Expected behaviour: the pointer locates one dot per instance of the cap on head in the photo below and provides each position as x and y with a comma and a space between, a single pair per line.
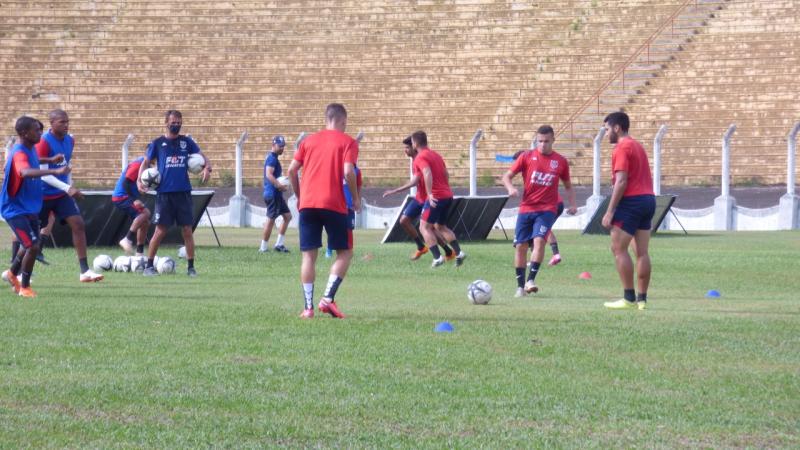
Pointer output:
279, 141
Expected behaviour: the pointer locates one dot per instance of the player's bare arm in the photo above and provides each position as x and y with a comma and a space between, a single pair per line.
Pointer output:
570, 198
269, 172
428, 177
411, 183
619, 189
506, 179
294, 177
206, 174
352, 185
144, 166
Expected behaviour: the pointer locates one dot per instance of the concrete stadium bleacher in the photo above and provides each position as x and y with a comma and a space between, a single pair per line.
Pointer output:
449, 67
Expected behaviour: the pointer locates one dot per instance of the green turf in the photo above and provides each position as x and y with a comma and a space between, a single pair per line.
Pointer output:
224, 361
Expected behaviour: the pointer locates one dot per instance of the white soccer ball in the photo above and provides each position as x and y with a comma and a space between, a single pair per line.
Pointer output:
138, 263
166, 265
151, 178
122, 264
102, 263
195, 163
285, 181
182, 252
479, 292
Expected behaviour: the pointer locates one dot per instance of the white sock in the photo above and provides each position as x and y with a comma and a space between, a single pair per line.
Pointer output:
308, 294
264, 245
279, 242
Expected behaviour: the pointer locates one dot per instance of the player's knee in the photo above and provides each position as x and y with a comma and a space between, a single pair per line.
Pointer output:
405, 220
77, 224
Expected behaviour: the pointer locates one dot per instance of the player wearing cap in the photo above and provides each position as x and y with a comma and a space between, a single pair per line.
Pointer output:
273, 197
326, 158
21, 200
630, 211
541, 169
126, 198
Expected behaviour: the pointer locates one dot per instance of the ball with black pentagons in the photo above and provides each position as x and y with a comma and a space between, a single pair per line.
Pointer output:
151, 178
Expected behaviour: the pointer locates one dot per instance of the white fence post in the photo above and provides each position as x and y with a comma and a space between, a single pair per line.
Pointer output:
237, 204
473, 163
594, 201
126, 150
724, 205
9, 144
789, 205
657, 159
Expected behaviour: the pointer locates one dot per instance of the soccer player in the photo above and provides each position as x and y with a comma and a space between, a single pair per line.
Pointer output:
126, 198
273, 197
414, 210
326, 158
541, 170
170, 152
21, 200
59, 195
431, 170
630, 211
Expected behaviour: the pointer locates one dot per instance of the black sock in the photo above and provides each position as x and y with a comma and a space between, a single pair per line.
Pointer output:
191, 263
140, 248
456, 247
14, 250
447, 250
641, 297
333, 286
131, 236
630, 295
26, 279
420, 244
16, 264
150, 262
84, 264
554, 247
534, 271
520, 276
435, 252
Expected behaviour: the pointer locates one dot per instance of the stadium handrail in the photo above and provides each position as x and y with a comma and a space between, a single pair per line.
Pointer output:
621, 69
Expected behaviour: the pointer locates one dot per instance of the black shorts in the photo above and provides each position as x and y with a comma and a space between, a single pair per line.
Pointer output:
336, 225
174, 208
26, 228
63, 207
276, 205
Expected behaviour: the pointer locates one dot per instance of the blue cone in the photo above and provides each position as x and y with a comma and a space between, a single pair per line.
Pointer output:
713, 293
443, 327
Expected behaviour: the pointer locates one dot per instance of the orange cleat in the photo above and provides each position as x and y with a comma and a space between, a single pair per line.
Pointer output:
450, 257
27, 292
418, 254
307, 314
11, 279
329, 307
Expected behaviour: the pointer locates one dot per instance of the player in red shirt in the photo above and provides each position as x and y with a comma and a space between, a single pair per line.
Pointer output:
326, 158
414, 209
630, 211
541, 169
431, 171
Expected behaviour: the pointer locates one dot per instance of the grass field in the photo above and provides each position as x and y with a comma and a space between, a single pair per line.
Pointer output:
224, 361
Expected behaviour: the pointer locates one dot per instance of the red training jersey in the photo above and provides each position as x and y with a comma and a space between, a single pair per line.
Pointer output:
540, 174
629, 156
323, 155
428, 158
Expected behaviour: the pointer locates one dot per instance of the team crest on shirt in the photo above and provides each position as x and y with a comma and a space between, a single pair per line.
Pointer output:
553, 164
183, 146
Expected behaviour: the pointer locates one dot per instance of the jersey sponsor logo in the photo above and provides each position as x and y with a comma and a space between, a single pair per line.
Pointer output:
175, 161
542, 179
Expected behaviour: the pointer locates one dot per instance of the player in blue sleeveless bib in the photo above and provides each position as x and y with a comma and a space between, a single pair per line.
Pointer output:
126, 198
59, 195
273, 197
170, 153
21, 201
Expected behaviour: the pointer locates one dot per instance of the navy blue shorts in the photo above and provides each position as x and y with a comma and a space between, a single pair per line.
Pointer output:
635, 213
276, 205
128, 207
313, 220
533, 225
26, 228
413, 209
174, 207
437, 214
63, 207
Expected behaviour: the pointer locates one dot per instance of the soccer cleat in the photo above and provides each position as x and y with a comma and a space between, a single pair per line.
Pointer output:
191, 272
620, 304
555, 260
450, 257
641, 305
27, 292
11, 279
460, 259
530, 287
418, 254
307, 314
281, 249
90, 277
150, 272
437, 262
329, 307
263, 250
127, 245
520, 293
40, 258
